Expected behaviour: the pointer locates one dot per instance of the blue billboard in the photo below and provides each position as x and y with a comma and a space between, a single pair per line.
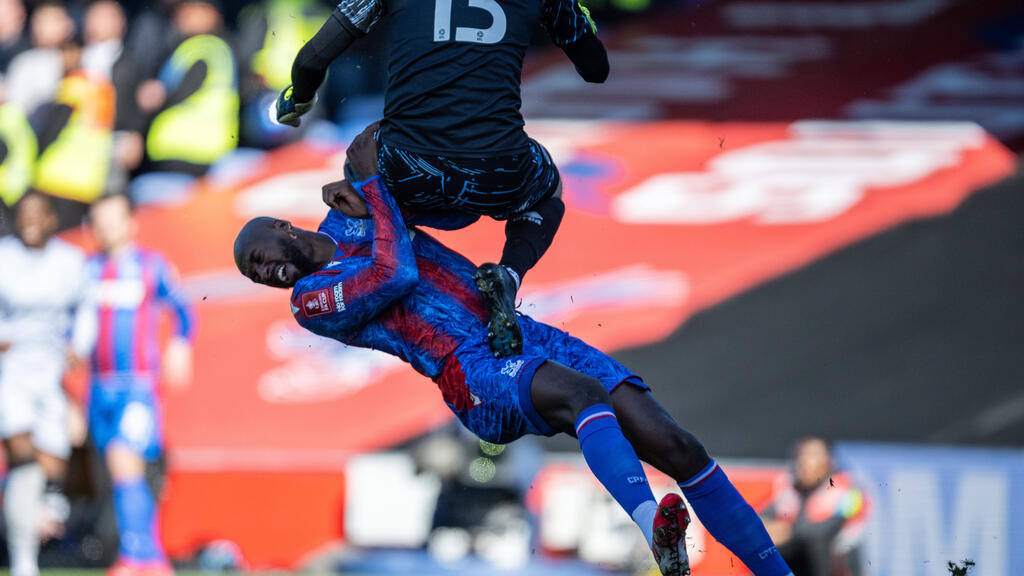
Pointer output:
932, 506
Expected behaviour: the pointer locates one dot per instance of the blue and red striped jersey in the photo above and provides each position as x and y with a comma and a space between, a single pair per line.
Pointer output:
131, 290
391, 288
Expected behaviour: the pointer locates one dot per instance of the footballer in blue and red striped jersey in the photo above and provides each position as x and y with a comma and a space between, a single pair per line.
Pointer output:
374, 283
415, 298
132, 288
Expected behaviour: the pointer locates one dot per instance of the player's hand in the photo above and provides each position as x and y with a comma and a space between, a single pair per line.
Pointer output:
4, 347
177, 364
73, 361
343, 197
362, 153
150, 95
288, 111
77, 424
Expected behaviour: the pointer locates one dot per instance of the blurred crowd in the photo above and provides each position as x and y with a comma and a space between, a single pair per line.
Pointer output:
103, 97
94, 95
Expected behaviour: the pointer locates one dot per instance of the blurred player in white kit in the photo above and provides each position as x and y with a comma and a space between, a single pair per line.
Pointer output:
45, 323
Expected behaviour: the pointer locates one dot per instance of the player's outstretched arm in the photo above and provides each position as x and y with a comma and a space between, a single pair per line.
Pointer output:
85, 323
350, 20
570, 27
177, 358
342, 298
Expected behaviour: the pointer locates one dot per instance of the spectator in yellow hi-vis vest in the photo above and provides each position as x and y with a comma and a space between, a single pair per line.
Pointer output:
17, 154
195, 99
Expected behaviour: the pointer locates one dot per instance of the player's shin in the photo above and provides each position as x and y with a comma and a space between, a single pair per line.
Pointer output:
615, 464
732, 521
22, 497
137, 521
529, 235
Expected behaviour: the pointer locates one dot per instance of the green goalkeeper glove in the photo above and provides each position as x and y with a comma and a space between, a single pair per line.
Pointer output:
290, 112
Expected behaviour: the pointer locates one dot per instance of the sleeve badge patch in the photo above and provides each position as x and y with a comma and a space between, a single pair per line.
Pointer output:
317, 303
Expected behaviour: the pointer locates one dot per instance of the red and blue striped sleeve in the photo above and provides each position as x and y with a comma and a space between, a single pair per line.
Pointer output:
351, 291
169, 292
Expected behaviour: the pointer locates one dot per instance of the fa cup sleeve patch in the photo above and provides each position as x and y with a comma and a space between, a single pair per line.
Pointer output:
318, 302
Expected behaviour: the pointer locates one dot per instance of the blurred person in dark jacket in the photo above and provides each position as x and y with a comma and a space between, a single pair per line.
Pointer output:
104, 55
34, 74
151, 36
194, 101
817, 513
13, 39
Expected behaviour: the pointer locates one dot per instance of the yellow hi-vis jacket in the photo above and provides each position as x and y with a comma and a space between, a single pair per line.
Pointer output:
290, 24
76, 165
20, 156
205, 126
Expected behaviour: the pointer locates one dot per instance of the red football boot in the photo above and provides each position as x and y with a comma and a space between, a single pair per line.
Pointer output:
124, 568
158, 568
669, 545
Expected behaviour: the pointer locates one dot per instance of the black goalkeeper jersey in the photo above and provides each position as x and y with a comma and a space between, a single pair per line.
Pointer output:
454, 68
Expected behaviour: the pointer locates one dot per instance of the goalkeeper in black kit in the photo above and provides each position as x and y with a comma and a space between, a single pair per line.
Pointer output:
451, 140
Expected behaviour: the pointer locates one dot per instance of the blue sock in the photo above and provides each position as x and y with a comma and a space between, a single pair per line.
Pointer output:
732, 521
136, 522
614, 462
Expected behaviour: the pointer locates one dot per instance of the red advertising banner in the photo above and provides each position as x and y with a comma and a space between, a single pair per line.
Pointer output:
663, 220
784, 60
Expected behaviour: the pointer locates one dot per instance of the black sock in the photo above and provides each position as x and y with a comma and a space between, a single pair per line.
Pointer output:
529, 235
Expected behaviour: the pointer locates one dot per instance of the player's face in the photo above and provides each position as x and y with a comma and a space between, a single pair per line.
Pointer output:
35, 221
104, 21
279, 256
812, 463
112, 223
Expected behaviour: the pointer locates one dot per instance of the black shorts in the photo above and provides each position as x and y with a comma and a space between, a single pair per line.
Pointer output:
499, 186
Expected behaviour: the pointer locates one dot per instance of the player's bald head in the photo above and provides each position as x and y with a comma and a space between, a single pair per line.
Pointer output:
255, 232
272, 252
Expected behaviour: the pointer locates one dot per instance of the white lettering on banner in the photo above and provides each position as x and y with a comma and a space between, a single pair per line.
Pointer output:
317, 369
918, 531
672, 71
289, 195
989, 90
821, 172
842, 15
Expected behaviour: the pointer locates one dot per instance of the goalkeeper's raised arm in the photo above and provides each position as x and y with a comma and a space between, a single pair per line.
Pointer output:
350, 20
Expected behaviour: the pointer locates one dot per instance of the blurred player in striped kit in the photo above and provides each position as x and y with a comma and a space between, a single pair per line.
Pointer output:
42, 296
132, 286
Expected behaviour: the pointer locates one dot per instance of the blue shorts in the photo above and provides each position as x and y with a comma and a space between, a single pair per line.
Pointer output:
491, 396
496, 186
127, 413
